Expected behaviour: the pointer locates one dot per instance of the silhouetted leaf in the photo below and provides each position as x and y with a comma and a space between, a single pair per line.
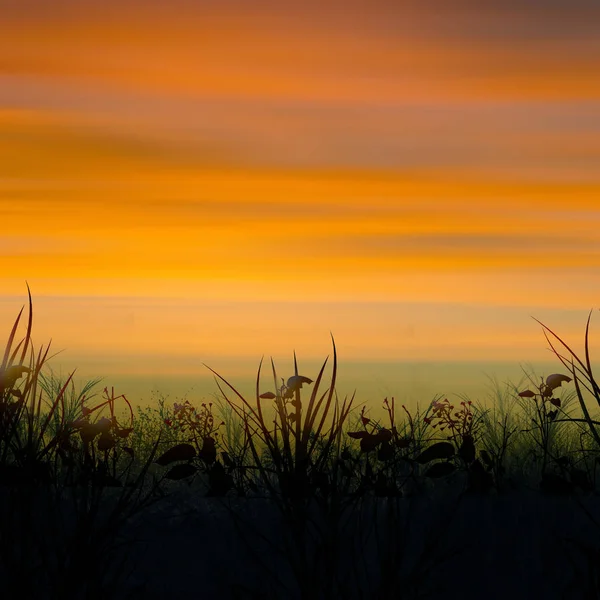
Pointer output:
384, 435
295, 382
527, 394
128, 450
103, 425
268, 396
359, 435
552, 414
440, 469
89, 431
81, 422
555, 380
106, 442
555, 401
439, 450
9, 377
179, 452
123, 433
227, 460
181, 472
369, 442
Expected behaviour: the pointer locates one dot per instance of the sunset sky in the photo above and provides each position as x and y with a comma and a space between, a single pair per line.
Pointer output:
210, 181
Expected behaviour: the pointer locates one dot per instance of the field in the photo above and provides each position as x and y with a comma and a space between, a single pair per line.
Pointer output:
297, 493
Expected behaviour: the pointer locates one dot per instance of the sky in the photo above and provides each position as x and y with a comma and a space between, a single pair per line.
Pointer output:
213, 181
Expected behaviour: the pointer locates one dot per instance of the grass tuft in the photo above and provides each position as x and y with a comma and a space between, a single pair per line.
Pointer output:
340, 485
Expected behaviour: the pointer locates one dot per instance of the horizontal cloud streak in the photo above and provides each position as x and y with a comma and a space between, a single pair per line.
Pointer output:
209, 180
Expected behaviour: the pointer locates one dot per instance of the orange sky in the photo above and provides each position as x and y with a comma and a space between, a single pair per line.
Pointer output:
417, 180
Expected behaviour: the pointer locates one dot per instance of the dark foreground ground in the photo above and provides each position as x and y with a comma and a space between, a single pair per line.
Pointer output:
522, 544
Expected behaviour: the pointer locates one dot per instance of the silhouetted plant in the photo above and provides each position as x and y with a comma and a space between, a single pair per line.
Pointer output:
58, 539
197, 455
86, 469
295, 456
545, 425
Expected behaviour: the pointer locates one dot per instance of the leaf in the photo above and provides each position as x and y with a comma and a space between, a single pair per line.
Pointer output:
181, 472
555, 401
9, 377
268, 396
81, 422
359, 435
179, 452
440, 469
439, 450
128, 450
295, 382
555, 380
106, 442
88, 432
123, 433
384, 435
369, 443
527, 394
103, 425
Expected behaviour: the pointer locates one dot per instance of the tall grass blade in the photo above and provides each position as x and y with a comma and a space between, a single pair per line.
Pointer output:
588, 362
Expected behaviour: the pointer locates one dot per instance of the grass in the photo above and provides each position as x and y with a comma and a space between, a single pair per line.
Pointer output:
343, 486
